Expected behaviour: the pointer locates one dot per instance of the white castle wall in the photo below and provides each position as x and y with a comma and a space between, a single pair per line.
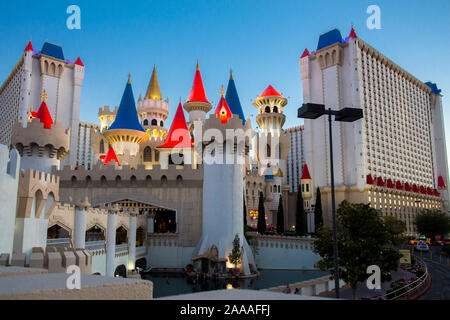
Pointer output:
9, 182
285, 253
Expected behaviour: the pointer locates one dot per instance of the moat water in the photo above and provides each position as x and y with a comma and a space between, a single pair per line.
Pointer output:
170, 284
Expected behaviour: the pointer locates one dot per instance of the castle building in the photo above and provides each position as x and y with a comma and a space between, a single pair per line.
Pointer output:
38, 71
395, 157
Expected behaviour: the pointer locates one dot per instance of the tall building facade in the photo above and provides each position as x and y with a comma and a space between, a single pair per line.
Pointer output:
296, 157
37, 73
395, 157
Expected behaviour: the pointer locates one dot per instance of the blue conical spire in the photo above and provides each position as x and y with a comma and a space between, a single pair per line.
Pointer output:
232, 99
126, 117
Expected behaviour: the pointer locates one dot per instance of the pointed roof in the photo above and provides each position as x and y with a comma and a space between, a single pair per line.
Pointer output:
305, 173
329, 38
29, 47
52, 50
79, 63
232, 98
198, 91
269, 92
44, 115
223, 110
179, 135
153, 91
111, 155
369, 179
305, 53
127, 117
389, 183
380, 182
353, 34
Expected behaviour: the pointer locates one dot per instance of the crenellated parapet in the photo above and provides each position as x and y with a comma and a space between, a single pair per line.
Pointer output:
102, 175
233, 129
106, 116
152, 108
50, 143
41, 187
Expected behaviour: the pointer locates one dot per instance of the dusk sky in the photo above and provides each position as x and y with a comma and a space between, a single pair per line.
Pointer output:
260, 40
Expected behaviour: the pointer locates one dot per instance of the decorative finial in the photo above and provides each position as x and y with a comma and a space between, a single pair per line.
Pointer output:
198, 68
43, 96
129, 78
222, 91
231, 74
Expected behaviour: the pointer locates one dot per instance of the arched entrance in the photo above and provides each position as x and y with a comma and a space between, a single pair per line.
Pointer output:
121, 235
58, 237
140, 237
141, 263
95, 234
121, 271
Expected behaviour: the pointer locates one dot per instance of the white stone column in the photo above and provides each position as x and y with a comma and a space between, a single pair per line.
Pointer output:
132, 241
111, 241
80, 224
151, 223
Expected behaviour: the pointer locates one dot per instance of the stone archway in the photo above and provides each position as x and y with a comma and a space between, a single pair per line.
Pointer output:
121, 271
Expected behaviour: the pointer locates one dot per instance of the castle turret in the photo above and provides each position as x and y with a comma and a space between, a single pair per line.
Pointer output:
126, 133
42, 143
153, 111
232, 99
197, 105
223, 193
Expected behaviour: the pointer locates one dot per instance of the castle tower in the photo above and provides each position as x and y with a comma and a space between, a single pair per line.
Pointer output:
41, 143
223, 193
126, 134
153, 110
272, 146
307, 194
197, 105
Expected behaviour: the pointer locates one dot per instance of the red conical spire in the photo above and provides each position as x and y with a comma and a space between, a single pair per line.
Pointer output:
305, 173
197, 91
269, 92
178, 136
111, 155
305, 53
79, 63
44, 115
223, 110
29, 47
353, 34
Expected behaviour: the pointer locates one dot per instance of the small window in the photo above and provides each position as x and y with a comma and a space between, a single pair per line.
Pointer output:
161, 123
154, 122
267, 110
145, 122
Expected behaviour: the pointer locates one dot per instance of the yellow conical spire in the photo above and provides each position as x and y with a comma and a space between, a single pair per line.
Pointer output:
153, 91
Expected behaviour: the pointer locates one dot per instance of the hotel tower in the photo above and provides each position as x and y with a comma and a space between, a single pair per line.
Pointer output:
395, 157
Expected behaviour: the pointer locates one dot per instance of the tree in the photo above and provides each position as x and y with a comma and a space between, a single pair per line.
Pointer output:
395, 228
318, 214
300, 216
280, 217
431, 223
261, 215
245, 216
235, 257
362, 241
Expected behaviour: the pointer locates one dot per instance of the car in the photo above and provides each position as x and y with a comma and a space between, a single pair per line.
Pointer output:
422, 246
420, 239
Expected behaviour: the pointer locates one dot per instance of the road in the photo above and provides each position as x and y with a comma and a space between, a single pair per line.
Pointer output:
440, 275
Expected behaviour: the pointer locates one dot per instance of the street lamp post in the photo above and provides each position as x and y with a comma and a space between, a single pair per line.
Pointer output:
313, 111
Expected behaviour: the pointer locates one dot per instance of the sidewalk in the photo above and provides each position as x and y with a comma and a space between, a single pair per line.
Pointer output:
363, 292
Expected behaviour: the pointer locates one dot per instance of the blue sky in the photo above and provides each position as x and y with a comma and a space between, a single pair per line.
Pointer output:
261, 40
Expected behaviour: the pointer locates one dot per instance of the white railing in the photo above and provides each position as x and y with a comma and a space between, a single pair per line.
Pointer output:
121, 248
411, 287
59, 243
95, 245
